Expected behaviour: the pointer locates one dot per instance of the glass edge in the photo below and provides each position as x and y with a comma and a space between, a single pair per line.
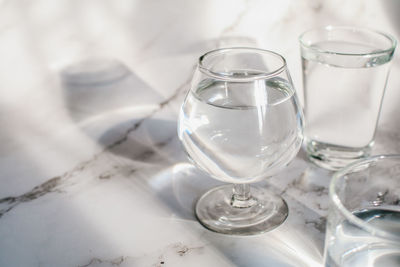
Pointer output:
337, 204
329, 28
223, 77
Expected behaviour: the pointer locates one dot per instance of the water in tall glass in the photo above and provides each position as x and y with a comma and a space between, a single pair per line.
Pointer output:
226, 128
343, 96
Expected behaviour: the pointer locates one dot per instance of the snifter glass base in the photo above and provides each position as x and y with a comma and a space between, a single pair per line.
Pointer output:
334, 157
219, 211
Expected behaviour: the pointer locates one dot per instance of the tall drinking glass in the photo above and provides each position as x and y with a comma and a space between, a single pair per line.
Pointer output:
240, 123
364, 218
344, 76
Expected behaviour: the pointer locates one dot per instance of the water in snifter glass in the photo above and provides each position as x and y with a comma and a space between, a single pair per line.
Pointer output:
240, 123
228, 136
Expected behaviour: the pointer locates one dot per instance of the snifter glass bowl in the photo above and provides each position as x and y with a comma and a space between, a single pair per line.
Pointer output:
241, 122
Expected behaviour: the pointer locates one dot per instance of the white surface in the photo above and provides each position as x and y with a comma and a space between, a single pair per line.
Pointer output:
92, 173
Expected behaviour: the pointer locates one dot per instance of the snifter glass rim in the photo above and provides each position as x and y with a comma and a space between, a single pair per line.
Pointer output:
264, 74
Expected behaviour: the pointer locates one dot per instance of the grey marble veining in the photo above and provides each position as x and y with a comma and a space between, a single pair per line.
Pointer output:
92, 171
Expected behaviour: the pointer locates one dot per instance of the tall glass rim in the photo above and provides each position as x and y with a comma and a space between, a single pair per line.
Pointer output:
225, 77
331, 28
338, 205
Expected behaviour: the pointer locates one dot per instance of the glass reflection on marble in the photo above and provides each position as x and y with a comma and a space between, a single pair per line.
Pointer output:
240, 123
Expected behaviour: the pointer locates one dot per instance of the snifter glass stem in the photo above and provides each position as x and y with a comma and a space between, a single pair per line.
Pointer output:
241, 196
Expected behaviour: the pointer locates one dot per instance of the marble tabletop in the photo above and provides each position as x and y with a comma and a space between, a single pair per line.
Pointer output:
91, 170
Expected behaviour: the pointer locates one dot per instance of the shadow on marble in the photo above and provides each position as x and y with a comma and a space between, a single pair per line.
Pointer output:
102, 87
303, 154
55, 227
392, 8
147, 140
180, 186
387, 141
153, 144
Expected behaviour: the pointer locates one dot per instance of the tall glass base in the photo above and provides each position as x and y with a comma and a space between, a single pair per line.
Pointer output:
334, 157
239, 210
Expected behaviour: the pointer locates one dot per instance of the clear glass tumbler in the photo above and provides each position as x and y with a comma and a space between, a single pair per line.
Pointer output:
363, 226
344, 77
